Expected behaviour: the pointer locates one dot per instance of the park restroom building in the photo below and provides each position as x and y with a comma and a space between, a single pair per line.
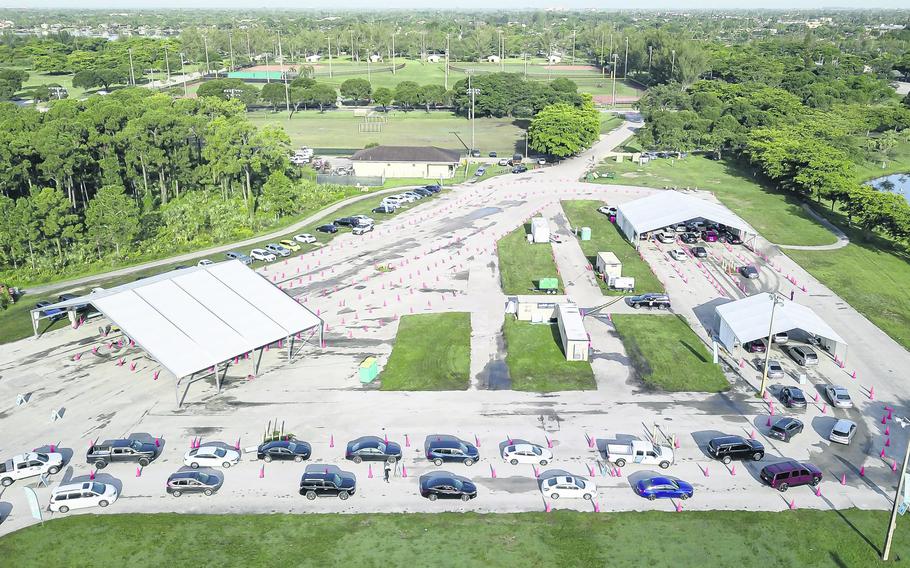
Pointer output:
425, 162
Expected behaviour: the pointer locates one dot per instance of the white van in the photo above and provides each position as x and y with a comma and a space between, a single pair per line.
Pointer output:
82, 495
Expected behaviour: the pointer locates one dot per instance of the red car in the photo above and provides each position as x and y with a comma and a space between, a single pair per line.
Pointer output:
709, 236
757, 346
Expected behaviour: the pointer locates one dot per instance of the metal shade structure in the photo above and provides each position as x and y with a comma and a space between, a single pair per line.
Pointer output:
667, 208
196, 320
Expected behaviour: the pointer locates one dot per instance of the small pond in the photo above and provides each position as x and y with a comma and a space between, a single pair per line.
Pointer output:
895, 183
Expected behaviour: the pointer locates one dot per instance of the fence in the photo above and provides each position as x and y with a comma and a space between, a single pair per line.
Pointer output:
363, 181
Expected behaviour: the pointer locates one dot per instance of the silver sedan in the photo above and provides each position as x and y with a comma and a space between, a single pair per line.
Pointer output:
839, 396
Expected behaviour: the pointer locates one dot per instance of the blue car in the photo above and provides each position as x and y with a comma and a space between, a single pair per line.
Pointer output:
372, 448
441, 448
664, 488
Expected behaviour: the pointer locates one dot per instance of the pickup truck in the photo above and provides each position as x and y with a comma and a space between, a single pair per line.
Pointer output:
29, 465
641, 452
124, 450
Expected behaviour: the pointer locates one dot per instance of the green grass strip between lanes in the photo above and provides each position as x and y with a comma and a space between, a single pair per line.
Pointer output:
536, 360
431, 352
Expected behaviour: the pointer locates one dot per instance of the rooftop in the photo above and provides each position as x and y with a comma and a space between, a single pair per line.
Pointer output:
407, 154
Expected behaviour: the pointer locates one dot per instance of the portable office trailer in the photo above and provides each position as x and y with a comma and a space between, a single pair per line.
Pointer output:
608, 265
537, 309
572, 332
540, 230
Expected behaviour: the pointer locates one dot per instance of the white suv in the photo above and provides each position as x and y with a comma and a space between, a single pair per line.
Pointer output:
82, 495
262, 254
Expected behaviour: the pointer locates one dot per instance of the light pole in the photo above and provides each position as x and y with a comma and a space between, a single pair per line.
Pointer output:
775, 301
900, 487
625, 66
183, 72
573, 47
447, 62
392, 54
613, 72
287, 92
673, 64
231, 48
603, 60
132, 74
650, 53
330, 55
167, 66
473, 92
205, 46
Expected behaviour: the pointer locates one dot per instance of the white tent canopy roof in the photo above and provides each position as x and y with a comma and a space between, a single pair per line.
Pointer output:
666, 208
748, 319
192, 319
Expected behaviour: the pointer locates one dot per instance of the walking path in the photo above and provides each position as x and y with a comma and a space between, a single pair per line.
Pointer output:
842, 239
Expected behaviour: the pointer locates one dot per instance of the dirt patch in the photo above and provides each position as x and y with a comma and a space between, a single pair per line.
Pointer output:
607, 99
572, 67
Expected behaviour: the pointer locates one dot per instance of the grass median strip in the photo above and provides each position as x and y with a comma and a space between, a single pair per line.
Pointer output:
605, 237
806, 538
431, 352
666, 354
522, 265
536, 361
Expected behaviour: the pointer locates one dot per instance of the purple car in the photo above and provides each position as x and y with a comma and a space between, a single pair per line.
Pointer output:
784, 475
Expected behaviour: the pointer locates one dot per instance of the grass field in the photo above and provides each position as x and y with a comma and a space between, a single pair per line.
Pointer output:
666, 354
431, 352
609, 122
658, 539
605, 236
777, 216
36, 79
522, 265
537, 363
341, 129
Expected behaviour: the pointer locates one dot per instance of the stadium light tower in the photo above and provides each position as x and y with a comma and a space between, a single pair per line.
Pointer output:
473, 92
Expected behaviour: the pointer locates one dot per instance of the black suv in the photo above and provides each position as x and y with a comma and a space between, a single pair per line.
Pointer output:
346, 222
651, 300
124, 450
731, 238
441, 449
729, 448
433, 188
327, 481
422, 191
689, 238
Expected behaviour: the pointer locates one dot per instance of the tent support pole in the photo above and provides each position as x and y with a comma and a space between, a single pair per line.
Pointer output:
290, 340
258, 361
35, 317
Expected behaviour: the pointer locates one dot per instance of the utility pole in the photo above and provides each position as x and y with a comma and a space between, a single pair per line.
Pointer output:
205, 46
370, 66
183, 72
603, 67
392, 54
287, 93
613, 72
502, 54
132, 73
352, 47
330, 56
625, 66
167, 65
897, 500
573, 47
611, 45
473, 92
249, 52
673, 65
268, 78
650, 53
231, 48
447, 62
775, 301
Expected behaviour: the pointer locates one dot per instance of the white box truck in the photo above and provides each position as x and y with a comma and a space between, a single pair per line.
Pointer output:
540, 230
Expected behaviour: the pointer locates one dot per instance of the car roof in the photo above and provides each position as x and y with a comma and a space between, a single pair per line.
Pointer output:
785, 421
76, 486
187, 475
657, 480
844, 423
447, 443
787, 465
729, 440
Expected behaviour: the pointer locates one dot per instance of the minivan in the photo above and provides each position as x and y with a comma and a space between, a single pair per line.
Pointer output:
82, 495
804, 355
790, 473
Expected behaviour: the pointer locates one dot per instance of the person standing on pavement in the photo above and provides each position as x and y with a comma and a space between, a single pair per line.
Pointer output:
388, 470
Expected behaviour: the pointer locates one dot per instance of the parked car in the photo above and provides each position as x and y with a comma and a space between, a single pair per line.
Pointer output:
362, 229
262, 254
51, 313
444, 485
757, 346
442, 449
729, 448
732, 238
364, 220
372, 448
699, 252
434, 187
786, 428
503, 162
775, 371
838, 396
81, 496
519, 169
650, 300
526, 453
475, 153
781, 338
211, 456
29, 465
207, 483
709, 236
328, 228
423, 192
480, 171
678, 254
568, 486
661, 487
234, 255
415, 195
607, 210
666, 238
205, 262
748, 271
385, 208
305, 238
790, 473
541, 161
843, 431
640, 452
689, 238
277, 249
327, 481
492, 154
680, 228
122, 450
284, 450
290, 244
793, 397
803, 355
345, 222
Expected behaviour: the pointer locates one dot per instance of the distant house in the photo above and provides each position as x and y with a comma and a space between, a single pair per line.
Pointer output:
313, 58
492, 59
375, 58
434, 58
554, 59
427, 162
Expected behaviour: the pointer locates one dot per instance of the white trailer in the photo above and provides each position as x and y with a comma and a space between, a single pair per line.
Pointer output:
608, 265
540, 230
622, 283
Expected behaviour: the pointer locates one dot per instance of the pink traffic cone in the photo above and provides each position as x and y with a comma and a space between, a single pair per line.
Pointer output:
404, 471
547, 507
536, 471
792, 504
871, 393
679, 507
155, 375
237, 445
884, 419
193, 444
881, 454
476, 441
407, 441
752, 434
887, 442
706, 472
825, 408
843, 479
549, 442
815, 397
768, 423
370, 472
887, 430
332, 441
157, 442
262, 471
733, 470
596, 506
91, 474
138, 472
676, 442
492, 471
893, 465
590, 470
862, 471
618, 472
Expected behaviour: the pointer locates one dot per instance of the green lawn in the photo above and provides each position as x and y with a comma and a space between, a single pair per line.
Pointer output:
777, 216
690, 539
537, 363
608, 122
431, 352
35, 79
606, 237
666, 353
341, 129
522, 265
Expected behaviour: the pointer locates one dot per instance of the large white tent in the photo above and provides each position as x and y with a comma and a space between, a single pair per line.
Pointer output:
667, 208
194, 320
748, 319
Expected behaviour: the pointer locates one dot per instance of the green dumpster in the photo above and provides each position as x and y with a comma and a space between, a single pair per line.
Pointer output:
368, 371
548, 285
586, 233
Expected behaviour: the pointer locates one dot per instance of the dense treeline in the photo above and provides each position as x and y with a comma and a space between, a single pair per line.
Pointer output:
137, 173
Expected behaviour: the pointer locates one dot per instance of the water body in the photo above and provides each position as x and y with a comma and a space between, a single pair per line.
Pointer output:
895, 183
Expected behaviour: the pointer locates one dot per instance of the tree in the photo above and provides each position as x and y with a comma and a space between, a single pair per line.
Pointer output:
11, 81
564, 130
357, 90
90, 78
274, 94
229, 89
279, 196
112, 220
432, 94
323, 95
407, 94
383, 97
57, 222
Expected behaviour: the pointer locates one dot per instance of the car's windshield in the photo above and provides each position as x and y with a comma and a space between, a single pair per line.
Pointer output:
843, 396
98, 488
457, 484
220, 452
336, 479
136, 445
203, 478
536, 450
42, 457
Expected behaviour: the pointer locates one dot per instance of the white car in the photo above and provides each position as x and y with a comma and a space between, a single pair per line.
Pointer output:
363, 220
568, 487
839, 396
29, 465
607, 210
262, 254
305, 238
542, 162
361, 229
843, 431
667, 238
416, 196
82, 495
205, 262
678, 254
407, 198
211, 456
526, 453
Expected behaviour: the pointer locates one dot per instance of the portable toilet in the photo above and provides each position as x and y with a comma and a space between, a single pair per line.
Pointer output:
368, 370
586, 233
608, 265
540, 230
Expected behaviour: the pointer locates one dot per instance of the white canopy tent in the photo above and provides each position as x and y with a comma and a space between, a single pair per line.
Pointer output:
748, 319
195, 320
667, 208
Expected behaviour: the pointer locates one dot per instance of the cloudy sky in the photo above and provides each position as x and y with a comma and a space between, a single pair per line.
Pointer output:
461, 4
